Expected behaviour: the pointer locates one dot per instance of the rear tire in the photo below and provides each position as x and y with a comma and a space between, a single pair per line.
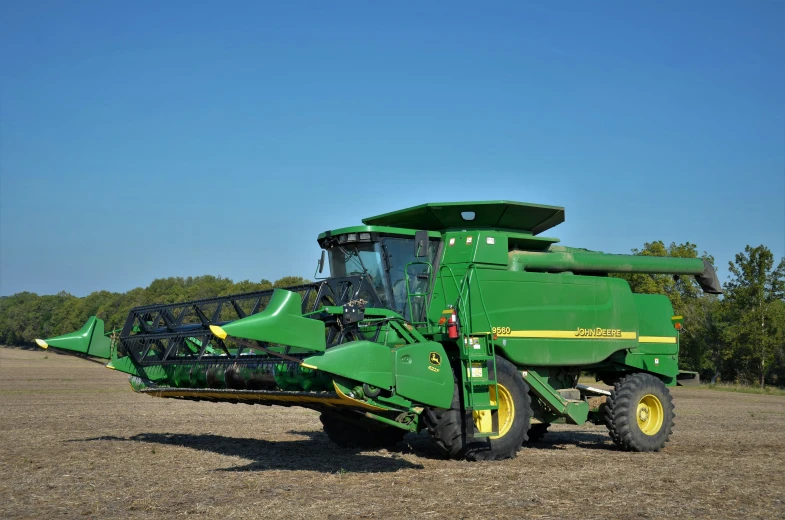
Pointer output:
348, 434
639, 413
447, 429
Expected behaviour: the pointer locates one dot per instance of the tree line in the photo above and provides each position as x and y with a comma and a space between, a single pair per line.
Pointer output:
737, 337
26, 316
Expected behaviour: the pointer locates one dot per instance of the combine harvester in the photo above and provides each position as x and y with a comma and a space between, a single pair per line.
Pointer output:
455, 318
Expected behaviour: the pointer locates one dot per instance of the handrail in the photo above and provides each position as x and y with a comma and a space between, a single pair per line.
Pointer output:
465, 287
409, 295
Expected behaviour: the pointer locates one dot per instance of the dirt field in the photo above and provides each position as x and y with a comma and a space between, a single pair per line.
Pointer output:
75, 441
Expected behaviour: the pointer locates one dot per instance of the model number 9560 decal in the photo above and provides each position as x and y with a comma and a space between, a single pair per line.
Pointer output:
500, 330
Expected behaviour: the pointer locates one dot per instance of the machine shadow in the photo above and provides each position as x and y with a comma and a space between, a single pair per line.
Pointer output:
315, 454
566, 440
418, 444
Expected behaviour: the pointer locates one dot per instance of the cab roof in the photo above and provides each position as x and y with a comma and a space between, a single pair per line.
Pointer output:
497, 214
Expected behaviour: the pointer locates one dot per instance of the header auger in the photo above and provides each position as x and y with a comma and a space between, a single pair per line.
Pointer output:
455, 318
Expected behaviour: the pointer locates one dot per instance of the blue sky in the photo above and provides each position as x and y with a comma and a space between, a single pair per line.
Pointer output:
148, 139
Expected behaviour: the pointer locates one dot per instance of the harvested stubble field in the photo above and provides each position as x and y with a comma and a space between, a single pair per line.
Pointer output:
77, 442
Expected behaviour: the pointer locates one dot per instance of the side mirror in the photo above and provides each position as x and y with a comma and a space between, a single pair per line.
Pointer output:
321, 262
421, 244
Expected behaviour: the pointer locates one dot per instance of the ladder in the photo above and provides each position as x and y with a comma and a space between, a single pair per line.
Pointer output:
478, 367
480, 385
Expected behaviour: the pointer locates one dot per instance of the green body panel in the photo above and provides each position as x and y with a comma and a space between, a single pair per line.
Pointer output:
663, 365
282, 323
90, 340
157, 374
124, 364
408, 370
654, 320
420, 378
546, 319
364, 361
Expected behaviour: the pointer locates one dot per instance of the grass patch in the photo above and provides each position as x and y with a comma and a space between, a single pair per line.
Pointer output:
745, 389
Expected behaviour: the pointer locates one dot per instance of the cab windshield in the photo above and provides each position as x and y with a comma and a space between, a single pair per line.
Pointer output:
360, 259
386, 265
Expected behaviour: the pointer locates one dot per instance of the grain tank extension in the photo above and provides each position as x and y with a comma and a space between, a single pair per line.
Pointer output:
455, 318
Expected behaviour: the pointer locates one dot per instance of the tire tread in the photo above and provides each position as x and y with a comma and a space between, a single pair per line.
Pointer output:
628, 436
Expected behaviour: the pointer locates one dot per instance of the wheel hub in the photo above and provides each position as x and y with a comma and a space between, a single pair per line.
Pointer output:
650, 414
483, 419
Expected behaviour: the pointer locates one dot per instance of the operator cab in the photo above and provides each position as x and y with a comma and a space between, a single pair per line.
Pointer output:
387, 267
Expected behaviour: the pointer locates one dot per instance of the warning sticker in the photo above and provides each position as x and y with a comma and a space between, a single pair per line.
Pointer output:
475, 371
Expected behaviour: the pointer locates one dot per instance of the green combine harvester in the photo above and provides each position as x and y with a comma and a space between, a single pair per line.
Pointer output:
455, 318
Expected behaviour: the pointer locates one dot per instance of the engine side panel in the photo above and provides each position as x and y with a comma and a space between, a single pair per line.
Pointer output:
554, 319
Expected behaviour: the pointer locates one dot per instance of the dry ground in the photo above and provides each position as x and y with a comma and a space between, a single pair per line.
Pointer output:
75, 441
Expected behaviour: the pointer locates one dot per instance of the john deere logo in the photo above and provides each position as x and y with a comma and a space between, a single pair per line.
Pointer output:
435, 358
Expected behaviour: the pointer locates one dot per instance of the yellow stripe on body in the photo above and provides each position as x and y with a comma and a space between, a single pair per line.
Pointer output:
561, 334
657, 339
570, 334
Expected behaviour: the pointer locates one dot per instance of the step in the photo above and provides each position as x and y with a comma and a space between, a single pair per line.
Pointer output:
471, 427
480, 381
570, 394
479, 358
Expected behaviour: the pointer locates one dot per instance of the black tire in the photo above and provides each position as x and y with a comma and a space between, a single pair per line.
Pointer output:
537, 432
348, 434
631, 413
447, 427
609, 379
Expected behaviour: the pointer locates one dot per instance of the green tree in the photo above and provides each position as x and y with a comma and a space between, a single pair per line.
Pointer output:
754, 296
288, 281
776, 375
26, 316
703, 342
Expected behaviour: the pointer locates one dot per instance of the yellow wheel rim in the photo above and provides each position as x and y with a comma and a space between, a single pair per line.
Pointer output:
483, 419
650, 414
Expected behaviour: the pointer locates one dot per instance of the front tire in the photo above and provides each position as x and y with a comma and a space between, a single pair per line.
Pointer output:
639, 413
447, 427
